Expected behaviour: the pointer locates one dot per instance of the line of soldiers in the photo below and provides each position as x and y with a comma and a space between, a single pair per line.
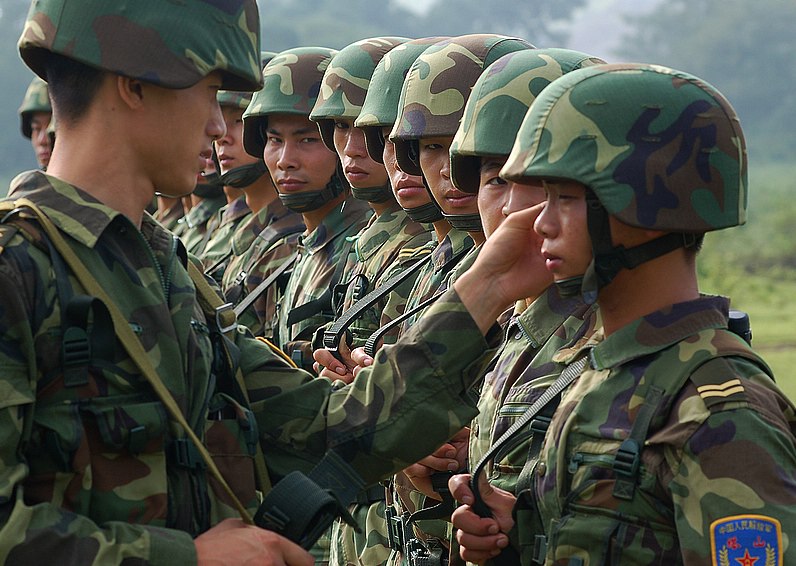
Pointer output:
464, 266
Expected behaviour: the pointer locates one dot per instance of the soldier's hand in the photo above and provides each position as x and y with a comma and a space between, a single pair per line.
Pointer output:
361, 359
234, 542
450, 457
327, 365
510, 267
481, 538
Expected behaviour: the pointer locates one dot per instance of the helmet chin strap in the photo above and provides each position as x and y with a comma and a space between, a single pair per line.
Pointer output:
465, 222
243, 176
211, 188
373, 194
313, 200
608, 260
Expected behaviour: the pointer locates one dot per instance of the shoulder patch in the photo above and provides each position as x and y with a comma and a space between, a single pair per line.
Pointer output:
748, 540
717, 383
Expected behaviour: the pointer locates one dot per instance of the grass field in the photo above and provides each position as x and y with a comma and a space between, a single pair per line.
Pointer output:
754, 265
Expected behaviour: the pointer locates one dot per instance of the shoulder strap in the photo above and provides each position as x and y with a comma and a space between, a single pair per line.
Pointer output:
333, 335
132, 344
263, 286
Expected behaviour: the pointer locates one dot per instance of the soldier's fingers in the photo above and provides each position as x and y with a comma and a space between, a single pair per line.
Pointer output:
459, 486
282, 551
360, 358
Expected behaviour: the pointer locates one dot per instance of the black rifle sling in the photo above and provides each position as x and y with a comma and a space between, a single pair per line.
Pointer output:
263, 286
569, 374
333, 335
372, 342
324, 302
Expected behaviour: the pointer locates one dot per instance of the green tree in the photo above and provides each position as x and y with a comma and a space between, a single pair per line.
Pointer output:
745, 49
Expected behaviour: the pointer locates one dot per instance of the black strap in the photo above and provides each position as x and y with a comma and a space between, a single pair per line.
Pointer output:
333, 335
324, 302
263, 286
628, 458
569, 374
302, 507
214, 267
375, 338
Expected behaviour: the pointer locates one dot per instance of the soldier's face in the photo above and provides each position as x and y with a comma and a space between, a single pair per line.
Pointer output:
408, 189
497, 198
190, 115
360, 170
436, 165
229, 147
566, 244
39, 138
295, 154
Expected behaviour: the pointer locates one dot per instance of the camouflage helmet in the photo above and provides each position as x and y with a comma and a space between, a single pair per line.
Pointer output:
498, 103
37, 99
241, 99
437, 87
346, 80
380, 107
142, 39
661, 149
291, 83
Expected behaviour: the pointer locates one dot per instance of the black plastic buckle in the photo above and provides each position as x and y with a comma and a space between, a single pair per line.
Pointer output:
626, 461
184, 454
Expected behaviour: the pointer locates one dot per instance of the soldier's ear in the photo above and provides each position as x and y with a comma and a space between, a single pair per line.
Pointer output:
131, 91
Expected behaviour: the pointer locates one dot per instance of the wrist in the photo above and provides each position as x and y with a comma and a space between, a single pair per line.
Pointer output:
481, 298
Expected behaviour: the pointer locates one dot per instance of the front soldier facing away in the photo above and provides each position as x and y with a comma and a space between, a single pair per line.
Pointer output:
95, 465
673, 445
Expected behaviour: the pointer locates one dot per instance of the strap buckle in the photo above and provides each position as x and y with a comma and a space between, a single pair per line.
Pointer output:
221, 315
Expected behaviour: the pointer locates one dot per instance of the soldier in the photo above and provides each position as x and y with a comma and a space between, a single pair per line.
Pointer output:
391, 240
207, 199
540, 324
35, 114
310, 181
108, 398
272, 226
672, 445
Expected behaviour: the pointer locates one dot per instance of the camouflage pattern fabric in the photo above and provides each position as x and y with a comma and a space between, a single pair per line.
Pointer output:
259, 247
498, 103
219, 235
715, 479
438, 85
140, 39
346, 80
430, 280
291, 82
37, 99
91, 480
389, 244
171, 216
675, 128
192, 227
320, 251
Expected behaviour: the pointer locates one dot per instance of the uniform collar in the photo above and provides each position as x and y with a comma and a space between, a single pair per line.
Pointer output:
339, 220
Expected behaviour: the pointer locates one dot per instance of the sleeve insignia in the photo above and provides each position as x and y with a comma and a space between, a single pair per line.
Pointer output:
746, 540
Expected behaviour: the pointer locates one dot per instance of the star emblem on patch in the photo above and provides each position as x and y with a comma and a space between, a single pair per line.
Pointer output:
746, 540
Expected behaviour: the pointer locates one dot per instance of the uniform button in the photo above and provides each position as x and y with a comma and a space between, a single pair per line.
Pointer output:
541, 469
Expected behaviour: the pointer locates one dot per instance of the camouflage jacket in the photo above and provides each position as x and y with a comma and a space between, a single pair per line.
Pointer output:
259, 247
714, 483
171, 216
386, 246
444, 258
192, 227
320, 252
215, 251
86, 469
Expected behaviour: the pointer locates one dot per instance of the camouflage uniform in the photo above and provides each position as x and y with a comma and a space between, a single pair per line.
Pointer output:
215, 252
673, 446
391, 236
259, 247
64, 466
192, 227
170, 217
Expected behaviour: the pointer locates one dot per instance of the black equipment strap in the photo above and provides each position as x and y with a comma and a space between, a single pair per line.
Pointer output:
370, 343
333, 335
263, 286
